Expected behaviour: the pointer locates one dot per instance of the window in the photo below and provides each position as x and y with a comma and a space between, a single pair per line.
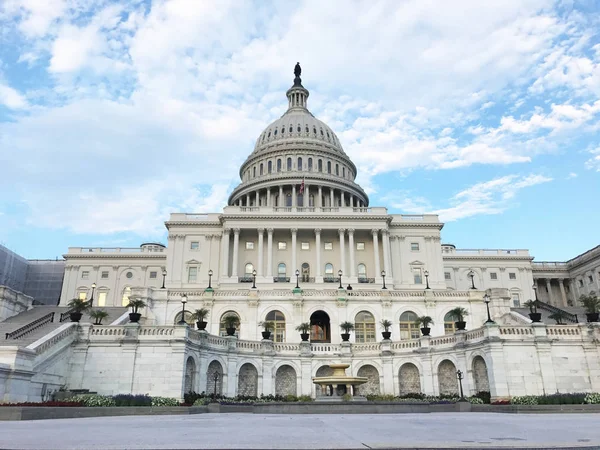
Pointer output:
493, 276
417, 275
249, 245
449, 326
289, 164
329, 269
261, 168
512, 276
320, 165
364, 327
270, 166
362, 271
328, 166
305, 246
328, 246
300, 164
337, 170
222, 328
281, 270
408, 328
282, 245
85, 274
360, 246
129, 274
580, 283
194, 245
248, 269
192, 274
288, 200
104, 274
447, 276
102, 298
278, 320
254, 172
82, 295
309, 164
516, 300
590, 279
125, 298
153, 274
279, 165
414, 246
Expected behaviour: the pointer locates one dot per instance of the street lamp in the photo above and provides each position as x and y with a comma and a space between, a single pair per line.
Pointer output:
487, 299
164, 274
210, 274
383, 276
183, 302
472, 275
459, 374
254, 279
297, 275
427, 279
92, 297
215, 379
340, 276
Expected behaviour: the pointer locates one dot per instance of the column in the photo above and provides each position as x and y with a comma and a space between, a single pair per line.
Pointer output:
294, 230
563, 294
385, 235
331, 197
319, 269
395, 259
294, 198
225, 255
306, 195
549, 287
376, 252
269, 252
259, 270
342, 233
236, 241
269, 197
257, 199
342, 202
351, 249
320, 202
281, 200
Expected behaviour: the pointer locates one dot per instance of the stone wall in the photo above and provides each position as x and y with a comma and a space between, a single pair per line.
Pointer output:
480, 375
13, 302
285, 381
248, 380
410, 379
371, 387
447, 379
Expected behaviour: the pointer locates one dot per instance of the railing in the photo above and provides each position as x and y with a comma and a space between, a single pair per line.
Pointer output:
47, 342
249, 208
30, 327
367, 347
563, 330
550, 264
245, 279
305, 209
366, 280
307, 279
443, 340
515, 331
324, 347
330, 209
281, 279
413, 343
65, 315
553, 309
331, 279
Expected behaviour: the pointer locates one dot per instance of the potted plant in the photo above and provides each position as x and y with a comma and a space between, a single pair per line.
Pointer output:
386, 324
304, 329
78, 306
135, 304
98, 315
558, 316
424, 322
347, 327
199, 316
591, 303
231, 321
267, 328
533, 314
459, 313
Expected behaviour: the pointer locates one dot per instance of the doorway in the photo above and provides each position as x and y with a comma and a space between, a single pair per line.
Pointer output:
320, 327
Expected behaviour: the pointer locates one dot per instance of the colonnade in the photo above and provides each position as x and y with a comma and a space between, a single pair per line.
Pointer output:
552, 299
290, 196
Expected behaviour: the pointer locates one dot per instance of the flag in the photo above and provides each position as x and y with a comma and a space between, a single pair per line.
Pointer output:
302, 187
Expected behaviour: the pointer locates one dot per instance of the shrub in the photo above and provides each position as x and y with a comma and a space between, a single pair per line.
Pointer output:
561, 399
501, 402
484, 395
132, 400
524, 400
164, 401
202, 401
95, 400
475, 400
592, 399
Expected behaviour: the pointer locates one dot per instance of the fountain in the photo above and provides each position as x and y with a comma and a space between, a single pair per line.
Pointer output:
332, 388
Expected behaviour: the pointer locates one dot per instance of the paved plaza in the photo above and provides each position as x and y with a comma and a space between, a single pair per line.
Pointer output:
251, 431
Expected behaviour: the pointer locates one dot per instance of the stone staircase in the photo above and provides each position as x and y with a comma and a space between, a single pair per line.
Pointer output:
546, 310
39, 312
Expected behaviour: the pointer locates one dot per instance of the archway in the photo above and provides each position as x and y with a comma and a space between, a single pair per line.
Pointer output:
214, 386
320, 327
447, 379
410, 379
188, 318
189, 381
285, 381
248, 380
480, 375
371, 387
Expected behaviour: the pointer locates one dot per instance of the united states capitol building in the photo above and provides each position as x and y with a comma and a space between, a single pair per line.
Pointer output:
299, 242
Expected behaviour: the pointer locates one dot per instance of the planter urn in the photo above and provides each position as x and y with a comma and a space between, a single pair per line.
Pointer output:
230, 331
75, 316
134, 317
345, 337
592, 317
266, 334
426, 331
304, 337
535, 317
386, 334
201, 325
460, 325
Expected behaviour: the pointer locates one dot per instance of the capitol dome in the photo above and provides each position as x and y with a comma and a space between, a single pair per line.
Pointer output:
298, 156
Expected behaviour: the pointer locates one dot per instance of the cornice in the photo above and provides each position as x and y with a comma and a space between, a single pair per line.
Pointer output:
416, 224
92, 255
191, 222
487, 257
276, 217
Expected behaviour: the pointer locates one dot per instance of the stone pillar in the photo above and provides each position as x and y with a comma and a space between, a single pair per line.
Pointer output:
319, 269
375, 234
236, 242
294, 198
281, 201
549, 287
395, 259
259, 270
385, 235
306, 196
342, 233
331, 197
320, 202
563, 294
342, 202
269, 252
247, 199
269, 197
351, 249
257, 198
225, 253
294, 230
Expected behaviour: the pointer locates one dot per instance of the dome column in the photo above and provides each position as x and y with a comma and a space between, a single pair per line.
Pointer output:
269, 197
331, 197
248, 199
257, 198
294, 198
320, 203
342, 202
280, 201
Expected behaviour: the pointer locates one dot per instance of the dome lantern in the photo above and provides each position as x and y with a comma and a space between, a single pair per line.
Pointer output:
297, 95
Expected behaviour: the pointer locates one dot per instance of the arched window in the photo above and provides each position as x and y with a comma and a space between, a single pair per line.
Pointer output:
315, 130
309, 164
288, 199
248, 269
337, 170
254, 172
275, 132
261, 168
278, 320
289, 164
291, 128
222, 327
328, 270
281, 272
307, 131
126, 294
300, 164
188, 318
449, 326
299, 128
269, 134
343, 172
328, 135
320, 165
362, 272
408, 328
269, 166
279, 165
328, 166
282, 130
305, 272
322, 132
364, 327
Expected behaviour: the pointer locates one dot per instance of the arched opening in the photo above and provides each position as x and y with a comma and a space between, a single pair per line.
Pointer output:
371, 387
285, 381
248, 380
320, 165
288, 199
408, 328
410, 379
279, 165
261, 168
447, 379
364, 327
480, 375
329, 167
305, 272
270, 166
188, 318
248, 269
223, 328
300, 164
278, 320
289, 164
189, 381
328, 278
214, 378
282, 273
320, 327
126, 294
362, 273
449, 326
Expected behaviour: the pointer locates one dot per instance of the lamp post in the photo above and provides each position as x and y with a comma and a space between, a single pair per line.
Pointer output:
459, 374
164, 274
472, 275
210, 274
297, 275
383, 276
340, 276
427, 279
487, 299
215, 379
254, 279
92, 297
183, 302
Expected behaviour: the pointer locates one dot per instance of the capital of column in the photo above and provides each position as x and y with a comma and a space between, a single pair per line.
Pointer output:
270, 230
375, 231
236, 231
226, 231
393, 238
172, 237
385, 231
260, 230
294, 230
350, 231
208, 237
317, 231
341, 231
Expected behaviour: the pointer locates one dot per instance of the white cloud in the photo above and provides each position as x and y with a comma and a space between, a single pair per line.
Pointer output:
10, 98
594, 162
571, 175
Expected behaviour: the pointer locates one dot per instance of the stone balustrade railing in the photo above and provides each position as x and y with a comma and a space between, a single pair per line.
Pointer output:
42, 345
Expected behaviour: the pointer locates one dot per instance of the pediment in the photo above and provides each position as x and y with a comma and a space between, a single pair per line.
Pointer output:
192, 261
417, 263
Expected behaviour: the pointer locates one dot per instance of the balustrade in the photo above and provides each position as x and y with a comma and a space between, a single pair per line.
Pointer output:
30, 327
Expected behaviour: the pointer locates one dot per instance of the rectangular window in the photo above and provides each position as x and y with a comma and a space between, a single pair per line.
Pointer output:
104, 274
360, 246
512, 276
414, 246
102, 298
249, 245
305, 246
152, 274
417, 276
580, 283
82, 295
192, 274
328, 246
282, 245
447, 276
85, 274
194, 245
516, 300
493, 276
590, 279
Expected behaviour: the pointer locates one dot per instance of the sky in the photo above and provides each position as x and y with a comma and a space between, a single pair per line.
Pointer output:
113, 114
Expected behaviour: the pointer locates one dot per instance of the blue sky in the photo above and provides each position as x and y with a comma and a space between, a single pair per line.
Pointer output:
114, 114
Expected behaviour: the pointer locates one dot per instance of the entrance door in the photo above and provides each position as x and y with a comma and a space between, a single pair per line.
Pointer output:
320, 327
305, 273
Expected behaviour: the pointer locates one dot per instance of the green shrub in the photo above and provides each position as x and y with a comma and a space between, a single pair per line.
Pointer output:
524, 400
475, 400
202, 401
132, 400
94, 400
592, 399
485, 396
164, 401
